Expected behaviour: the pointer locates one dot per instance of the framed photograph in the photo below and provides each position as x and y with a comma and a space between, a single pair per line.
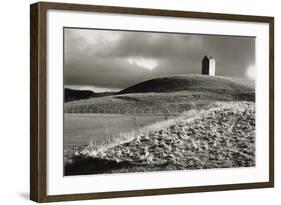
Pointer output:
135, 102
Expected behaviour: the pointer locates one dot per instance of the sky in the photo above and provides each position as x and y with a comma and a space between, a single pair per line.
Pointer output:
108, 60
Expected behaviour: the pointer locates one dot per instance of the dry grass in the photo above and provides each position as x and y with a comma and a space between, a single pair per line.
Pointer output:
188, 116
220, 136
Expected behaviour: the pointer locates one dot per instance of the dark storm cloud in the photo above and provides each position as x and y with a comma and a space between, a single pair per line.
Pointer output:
118, 59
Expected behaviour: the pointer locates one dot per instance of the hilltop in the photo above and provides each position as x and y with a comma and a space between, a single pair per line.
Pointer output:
192, 82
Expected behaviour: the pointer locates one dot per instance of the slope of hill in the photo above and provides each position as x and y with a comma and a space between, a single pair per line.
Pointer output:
190, 82
168, 95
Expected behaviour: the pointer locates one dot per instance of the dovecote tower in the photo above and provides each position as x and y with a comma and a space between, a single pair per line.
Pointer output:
208, 66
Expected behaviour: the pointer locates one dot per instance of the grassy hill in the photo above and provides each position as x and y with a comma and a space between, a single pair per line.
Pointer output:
192, 82
169, 123
168, 95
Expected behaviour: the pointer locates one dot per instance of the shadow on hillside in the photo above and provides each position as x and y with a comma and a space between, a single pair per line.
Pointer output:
89, 165
245, 97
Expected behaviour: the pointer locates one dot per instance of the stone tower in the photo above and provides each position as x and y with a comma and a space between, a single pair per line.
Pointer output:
208, 66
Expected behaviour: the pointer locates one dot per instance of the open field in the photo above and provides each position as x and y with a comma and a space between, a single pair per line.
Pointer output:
220, 137
81, 129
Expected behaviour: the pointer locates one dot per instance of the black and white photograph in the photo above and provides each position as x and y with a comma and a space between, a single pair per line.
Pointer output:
143, 101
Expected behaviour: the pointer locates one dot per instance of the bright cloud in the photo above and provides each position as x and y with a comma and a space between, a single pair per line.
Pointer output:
251, 72
146, 63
